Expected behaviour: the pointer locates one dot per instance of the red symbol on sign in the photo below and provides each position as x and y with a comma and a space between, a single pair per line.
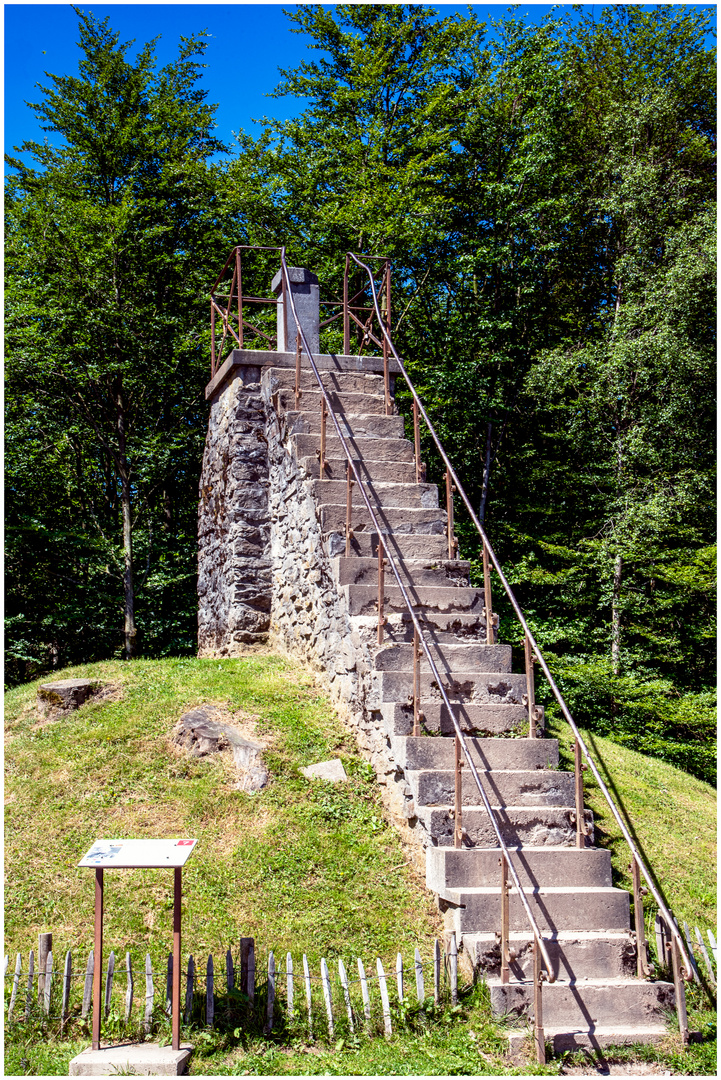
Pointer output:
185, 843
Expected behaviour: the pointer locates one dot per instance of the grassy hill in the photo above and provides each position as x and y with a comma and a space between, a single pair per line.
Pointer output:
301, 866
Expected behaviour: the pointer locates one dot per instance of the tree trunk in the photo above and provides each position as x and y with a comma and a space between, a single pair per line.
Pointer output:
125, 501
128, 570
486, 474
616, 615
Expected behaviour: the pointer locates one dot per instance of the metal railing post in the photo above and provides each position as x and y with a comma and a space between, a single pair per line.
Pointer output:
458, 796
321, 452
538, 1035
530, 688
488, 599
505, 948
452, 542
298, 391
381, 588
240, 299
417, 714
417, 441
578, 784
212, 340
642, 965
346, 315
348, 507
386, 376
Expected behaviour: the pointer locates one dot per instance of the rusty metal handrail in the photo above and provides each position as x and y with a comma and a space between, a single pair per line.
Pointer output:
673, 929
417, 626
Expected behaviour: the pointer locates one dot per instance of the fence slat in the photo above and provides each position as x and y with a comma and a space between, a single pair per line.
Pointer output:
346, 995
453, 968
251, 969
712, 943
209, 999
16, 982
189, 989
399, 977
88, 986
706, 958
384, 998
309, 1002
5, 965
130, 986
364, 991
67, 978
31, 976
437, 971
325, 979
244, 949
229, 971
149, 992
109, 983
45, 944
420, 987
289, 983
169, 986
271, 994
48, 982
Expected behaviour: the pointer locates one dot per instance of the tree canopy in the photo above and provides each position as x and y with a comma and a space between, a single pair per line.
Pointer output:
547, 195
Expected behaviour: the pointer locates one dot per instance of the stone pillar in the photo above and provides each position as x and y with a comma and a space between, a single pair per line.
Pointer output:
304, 286
234, 580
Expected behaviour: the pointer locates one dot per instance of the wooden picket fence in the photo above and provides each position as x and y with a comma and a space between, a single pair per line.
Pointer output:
280, 991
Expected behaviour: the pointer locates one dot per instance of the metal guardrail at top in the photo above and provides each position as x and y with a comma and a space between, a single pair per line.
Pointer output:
354, 313
539, 948
531, 645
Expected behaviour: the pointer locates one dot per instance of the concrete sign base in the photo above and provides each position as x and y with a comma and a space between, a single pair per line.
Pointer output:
132, 1059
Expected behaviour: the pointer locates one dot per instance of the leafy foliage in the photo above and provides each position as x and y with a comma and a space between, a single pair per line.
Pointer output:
547, 197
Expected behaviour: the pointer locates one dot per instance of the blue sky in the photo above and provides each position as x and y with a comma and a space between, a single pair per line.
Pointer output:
248, 43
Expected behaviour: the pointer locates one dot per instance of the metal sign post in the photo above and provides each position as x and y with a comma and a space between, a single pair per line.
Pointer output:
134, 855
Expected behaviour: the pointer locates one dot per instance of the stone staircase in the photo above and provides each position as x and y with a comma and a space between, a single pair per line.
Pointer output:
323, 608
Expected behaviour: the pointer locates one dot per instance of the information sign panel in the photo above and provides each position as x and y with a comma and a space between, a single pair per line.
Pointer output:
136, 854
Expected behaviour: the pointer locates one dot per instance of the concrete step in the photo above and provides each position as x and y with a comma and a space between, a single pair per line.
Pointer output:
382, 494
503, 787
392, 519
591, 1003
438, 627
367, 449
574, 954
491, 719
392, 472
344, 382
353, 404
445, 572
555, 908
478, 687
438, 753
447, 657
594, 1037
370, 426
525, 826
403, 545
459, 868
362, 599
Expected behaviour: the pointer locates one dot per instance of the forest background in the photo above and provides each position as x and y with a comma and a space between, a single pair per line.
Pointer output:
547, 196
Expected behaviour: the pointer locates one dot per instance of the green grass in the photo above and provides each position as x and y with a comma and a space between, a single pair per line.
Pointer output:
301, 866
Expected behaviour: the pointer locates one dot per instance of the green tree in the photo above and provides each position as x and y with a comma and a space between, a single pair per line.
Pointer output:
111, 238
